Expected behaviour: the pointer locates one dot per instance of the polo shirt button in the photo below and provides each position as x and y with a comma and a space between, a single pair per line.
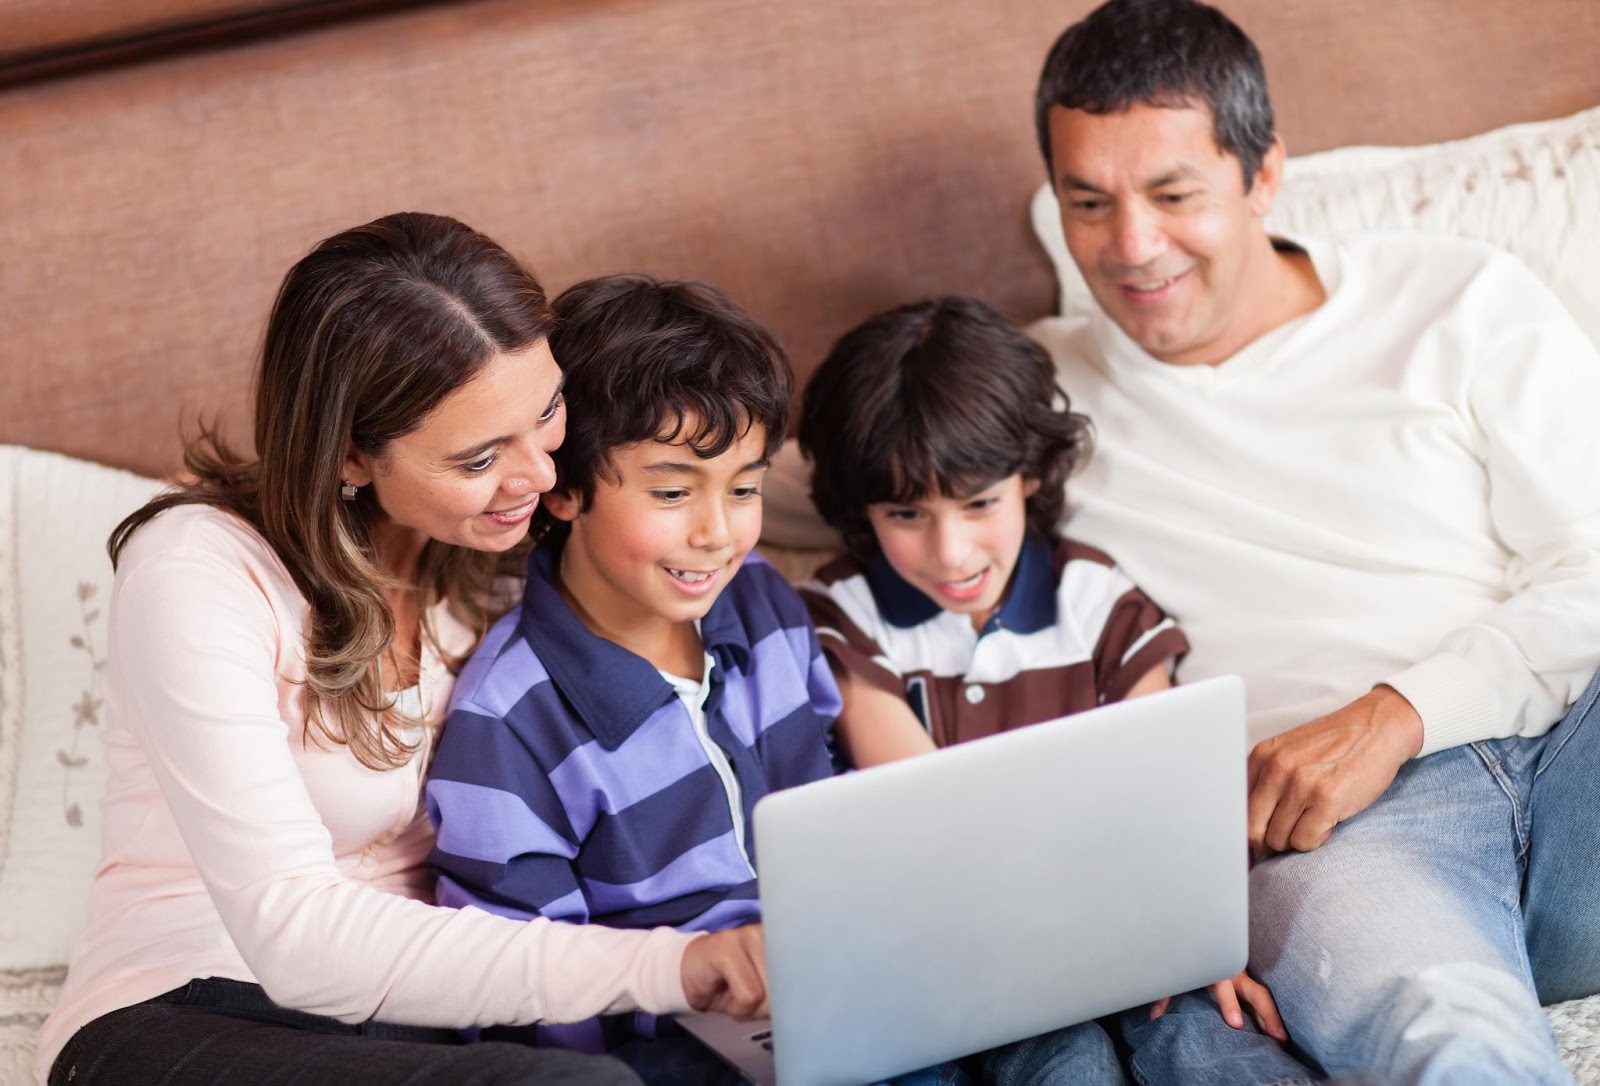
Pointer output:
975, 694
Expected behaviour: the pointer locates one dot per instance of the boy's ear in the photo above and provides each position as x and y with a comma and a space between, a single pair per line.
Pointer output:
1030, 487
563, 504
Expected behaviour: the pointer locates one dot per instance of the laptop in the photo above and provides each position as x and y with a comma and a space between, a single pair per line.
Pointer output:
931, 908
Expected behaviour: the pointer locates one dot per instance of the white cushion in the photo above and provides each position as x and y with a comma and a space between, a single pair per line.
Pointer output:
55, 515
26, 997
1533, 189
1577, 1027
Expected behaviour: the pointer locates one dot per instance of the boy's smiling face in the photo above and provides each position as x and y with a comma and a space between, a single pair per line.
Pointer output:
665, 533
958, 551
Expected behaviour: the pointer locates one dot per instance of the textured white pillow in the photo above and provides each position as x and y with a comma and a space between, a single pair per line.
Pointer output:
55, 514
1533, 189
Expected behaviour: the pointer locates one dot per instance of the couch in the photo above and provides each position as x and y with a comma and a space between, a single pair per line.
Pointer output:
166, 160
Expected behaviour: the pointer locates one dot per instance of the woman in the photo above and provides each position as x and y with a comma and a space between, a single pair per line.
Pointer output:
283, 633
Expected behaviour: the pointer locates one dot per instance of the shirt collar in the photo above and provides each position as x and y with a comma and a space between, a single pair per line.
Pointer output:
611, 689
1029, 604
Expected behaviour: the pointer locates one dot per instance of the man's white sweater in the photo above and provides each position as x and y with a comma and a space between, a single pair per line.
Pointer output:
1401, 487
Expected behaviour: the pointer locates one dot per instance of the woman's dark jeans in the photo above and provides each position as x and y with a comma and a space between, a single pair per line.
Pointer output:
226, 1031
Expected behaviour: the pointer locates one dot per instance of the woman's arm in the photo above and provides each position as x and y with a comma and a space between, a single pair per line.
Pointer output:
199, 637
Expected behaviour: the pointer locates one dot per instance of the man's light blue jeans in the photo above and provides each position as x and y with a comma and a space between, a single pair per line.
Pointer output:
1080, 1055
1190, 1045
1418, 942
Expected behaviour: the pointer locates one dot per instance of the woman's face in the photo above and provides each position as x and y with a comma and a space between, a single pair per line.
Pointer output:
472, 473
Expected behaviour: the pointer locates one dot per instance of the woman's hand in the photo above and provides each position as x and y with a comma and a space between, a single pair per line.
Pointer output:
726, 972
1228, 993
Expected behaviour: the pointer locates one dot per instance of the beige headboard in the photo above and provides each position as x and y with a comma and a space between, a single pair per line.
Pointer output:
818, 159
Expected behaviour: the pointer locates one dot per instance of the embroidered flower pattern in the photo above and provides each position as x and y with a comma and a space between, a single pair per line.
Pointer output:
86, 713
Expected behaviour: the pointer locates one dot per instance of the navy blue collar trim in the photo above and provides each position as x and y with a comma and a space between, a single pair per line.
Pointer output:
1029, 604
612, 689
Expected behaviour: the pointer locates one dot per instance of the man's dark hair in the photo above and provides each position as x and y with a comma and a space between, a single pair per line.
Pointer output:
647, 360
944, 396
1167, 53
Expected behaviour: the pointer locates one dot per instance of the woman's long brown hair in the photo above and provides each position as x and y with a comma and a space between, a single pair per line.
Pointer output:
369, 333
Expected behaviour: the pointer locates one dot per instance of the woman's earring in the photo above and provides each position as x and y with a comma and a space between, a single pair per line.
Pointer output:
349, 491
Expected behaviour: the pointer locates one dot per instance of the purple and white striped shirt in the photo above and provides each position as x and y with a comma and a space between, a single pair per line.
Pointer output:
570, 781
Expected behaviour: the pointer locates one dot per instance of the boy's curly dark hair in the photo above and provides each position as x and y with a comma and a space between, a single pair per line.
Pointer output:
648, 360
945, 396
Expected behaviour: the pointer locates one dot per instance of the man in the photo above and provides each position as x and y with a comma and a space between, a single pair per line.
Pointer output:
1362, 475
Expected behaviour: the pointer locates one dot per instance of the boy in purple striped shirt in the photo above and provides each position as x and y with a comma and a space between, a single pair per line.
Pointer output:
611, 736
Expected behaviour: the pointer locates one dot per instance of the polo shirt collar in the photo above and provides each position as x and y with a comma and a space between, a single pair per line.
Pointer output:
1029, 604
612, 690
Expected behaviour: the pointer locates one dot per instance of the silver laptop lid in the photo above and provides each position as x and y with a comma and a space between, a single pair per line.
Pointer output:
1005, 887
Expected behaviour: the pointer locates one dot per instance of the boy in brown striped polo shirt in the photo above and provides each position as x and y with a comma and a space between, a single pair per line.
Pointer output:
940, 445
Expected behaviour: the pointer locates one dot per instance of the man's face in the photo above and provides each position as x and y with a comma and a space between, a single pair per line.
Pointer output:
1158, 220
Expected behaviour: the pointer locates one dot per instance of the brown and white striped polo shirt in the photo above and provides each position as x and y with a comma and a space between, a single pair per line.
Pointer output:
1073, 632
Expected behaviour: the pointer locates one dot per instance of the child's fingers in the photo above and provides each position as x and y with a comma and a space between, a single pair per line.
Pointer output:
1159, 1007
1262, 1006
1228, 1003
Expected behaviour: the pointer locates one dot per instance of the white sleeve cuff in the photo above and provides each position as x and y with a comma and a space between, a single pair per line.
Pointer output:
1453, 699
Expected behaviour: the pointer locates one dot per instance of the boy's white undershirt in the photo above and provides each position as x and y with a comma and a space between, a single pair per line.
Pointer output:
693, 694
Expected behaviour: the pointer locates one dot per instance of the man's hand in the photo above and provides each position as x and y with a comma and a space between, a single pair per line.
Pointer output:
727, 972
1309, 779
1228, 993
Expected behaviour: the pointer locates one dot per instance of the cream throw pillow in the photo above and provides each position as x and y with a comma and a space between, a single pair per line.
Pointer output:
55, 580
1533, 189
